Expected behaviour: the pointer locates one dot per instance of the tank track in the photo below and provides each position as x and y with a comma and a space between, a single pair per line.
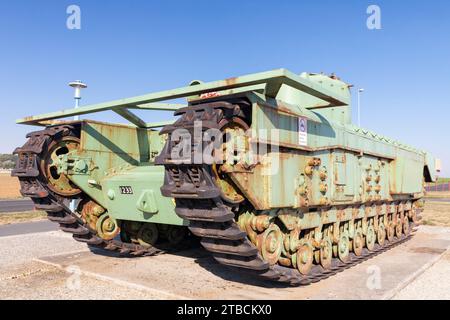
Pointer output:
213, 220
33, 185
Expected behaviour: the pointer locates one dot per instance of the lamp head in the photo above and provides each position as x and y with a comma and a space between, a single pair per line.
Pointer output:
78, 85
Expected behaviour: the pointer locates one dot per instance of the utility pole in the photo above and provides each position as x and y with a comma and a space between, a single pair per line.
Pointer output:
360, 90
77, 85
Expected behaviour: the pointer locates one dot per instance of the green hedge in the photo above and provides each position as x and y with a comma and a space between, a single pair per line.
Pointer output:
7, 161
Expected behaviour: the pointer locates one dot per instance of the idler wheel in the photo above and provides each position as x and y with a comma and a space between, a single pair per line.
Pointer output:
59, 182
399, 228
234, 150
90, 212
343, 247
270, 244
391, 231
406, 228
305, 257
370, 238
381, 233
147, 235
107, 228
326, 253
358, 242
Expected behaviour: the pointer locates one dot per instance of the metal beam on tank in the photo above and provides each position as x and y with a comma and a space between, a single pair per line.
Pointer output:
272, 79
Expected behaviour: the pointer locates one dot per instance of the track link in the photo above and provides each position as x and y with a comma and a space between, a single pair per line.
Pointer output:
213, 220
230, 246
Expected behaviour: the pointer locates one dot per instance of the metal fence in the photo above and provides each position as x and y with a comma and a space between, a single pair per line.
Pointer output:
438, 187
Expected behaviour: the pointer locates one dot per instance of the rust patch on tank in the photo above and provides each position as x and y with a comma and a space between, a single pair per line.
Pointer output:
231, 81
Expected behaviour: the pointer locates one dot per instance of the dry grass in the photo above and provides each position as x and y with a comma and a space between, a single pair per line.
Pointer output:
17, 217
9, 187
436, 213
438, 194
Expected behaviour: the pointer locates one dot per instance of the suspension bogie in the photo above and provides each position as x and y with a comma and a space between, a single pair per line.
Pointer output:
289, 239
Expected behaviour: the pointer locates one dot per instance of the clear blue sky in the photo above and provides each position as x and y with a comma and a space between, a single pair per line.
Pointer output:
127, 48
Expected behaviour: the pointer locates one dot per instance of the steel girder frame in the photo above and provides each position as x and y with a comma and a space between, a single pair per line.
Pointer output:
270, 82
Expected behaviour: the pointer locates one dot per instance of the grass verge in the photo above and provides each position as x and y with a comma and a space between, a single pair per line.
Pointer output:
18, 217
9, 187
436, 213
437, 194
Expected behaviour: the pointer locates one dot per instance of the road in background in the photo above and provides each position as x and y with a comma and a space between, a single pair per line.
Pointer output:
437, 199
16, 205
27, 227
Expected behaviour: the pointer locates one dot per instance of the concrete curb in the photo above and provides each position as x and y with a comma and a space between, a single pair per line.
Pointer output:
393, 292
123, 283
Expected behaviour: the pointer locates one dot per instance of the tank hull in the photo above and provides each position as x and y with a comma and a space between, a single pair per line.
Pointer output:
285, 212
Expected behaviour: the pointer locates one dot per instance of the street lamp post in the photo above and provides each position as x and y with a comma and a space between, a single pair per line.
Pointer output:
359, 106
77, 85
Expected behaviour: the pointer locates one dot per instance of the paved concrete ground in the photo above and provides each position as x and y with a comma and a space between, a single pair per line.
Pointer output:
16, 205
52, 265
434, 283
23, 278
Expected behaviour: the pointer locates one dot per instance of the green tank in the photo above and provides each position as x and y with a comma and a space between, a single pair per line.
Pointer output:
266, 169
